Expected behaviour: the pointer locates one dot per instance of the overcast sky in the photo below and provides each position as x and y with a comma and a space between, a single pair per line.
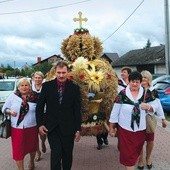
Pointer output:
24, 36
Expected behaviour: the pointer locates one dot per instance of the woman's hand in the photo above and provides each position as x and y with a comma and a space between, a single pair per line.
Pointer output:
11, 112
112, 129
77, 136
112, 132
43, 130
164, 123
145, 106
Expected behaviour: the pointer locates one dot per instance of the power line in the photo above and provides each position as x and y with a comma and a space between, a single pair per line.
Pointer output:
123, 22
6, 1
43, 9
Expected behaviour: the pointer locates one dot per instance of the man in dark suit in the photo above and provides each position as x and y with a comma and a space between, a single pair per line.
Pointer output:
63, 117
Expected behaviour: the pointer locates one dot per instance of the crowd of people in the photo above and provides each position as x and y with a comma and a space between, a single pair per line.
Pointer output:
128, 117
41, 110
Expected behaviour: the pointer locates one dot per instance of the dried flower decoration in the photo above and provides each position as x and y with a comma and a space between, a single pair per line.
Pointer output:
81, 44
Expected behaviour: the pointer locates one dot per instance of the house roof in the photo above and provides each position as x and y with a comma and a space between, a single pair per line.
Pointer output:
26, 65
45, 60
111, 56
151, 55
58, 56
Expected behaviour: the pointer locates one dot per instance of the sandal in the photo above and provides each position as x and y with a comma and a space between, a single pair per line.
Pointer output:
149, 163
140, 167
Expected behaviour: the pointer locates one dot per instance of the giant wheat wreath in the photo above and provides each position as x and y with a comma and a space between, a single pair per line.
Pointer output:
95, 76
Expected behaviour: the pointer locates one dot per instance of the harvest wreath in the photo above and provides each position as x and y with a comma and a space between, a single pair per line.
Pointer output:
95, 76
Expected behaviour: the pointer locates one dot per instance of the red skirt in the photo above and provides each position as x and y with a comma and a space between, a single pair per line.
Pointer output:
130, 145
24, 141
150, 136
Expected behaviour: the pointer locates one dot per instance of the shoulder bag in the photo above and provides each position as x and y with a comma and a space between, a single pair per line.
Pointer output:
151, 123
5, 126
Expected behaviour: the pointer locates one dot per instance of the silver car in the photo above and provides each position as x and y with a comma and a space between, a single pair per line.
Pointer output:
7, 86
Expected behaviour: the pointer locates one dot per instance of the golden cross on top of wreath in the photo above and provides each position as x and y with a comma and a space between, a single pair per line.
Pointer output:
80, 19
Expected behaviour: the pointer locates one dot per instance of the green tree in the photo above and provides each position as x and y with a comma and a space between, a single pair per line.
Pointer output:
2, 66
9, 73
43, 67
26, 72
148, 44
17, 72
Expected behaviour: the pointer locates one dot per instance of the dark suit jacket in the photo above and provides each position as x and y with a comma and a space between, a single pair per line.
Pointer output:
66, 115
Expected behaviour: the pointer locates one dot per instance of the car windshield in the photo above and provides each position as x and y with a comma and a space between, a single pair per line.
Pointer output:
161, 85
7, 86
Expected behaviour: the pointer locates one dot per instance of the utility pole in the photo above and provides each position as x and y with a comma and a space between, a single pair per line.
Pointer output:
14, 64
14, 70
167, 43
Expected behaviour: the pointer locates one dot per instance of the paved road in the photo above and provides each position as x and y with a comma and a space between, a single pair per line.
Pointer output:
87, 157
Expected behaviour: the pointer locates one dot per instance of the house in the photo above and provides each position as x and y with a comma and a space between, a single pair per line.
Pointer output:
151, 59
25, 66
51, 59
110, 57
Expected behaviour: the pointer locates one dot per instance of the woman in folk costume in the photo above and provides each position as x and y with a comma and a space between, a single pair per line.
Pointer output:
124, 81
129, 111
37, 81
147, 84
20, 106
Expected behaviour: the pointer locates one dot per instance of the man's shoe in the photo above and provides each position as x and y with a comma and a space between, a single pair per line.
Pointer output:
106, 142
99, 147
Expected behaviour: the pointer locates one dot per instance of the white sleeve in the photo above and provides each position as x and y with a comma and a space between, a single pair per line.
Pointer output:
120, 88
114, 116
159, 111
7, 103
154, 105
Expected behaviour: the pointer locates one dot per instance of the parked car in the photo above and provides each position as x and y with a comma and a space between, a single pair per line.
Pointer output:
154, 76
160, 78
163, 88
7, 86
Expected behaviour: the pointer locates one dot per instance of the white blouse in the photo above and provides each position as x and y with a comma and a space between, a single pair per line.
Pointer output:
159, 111
120, 88
34, 89
13, 102
121, 113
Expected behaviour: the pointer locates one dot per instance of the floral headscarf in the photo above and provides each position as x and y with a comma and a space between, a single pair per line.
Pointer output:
31, 97
120, 83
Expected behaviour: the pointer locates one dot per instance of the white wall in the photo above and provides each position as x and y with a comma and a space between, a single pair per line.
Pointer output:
160, 69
